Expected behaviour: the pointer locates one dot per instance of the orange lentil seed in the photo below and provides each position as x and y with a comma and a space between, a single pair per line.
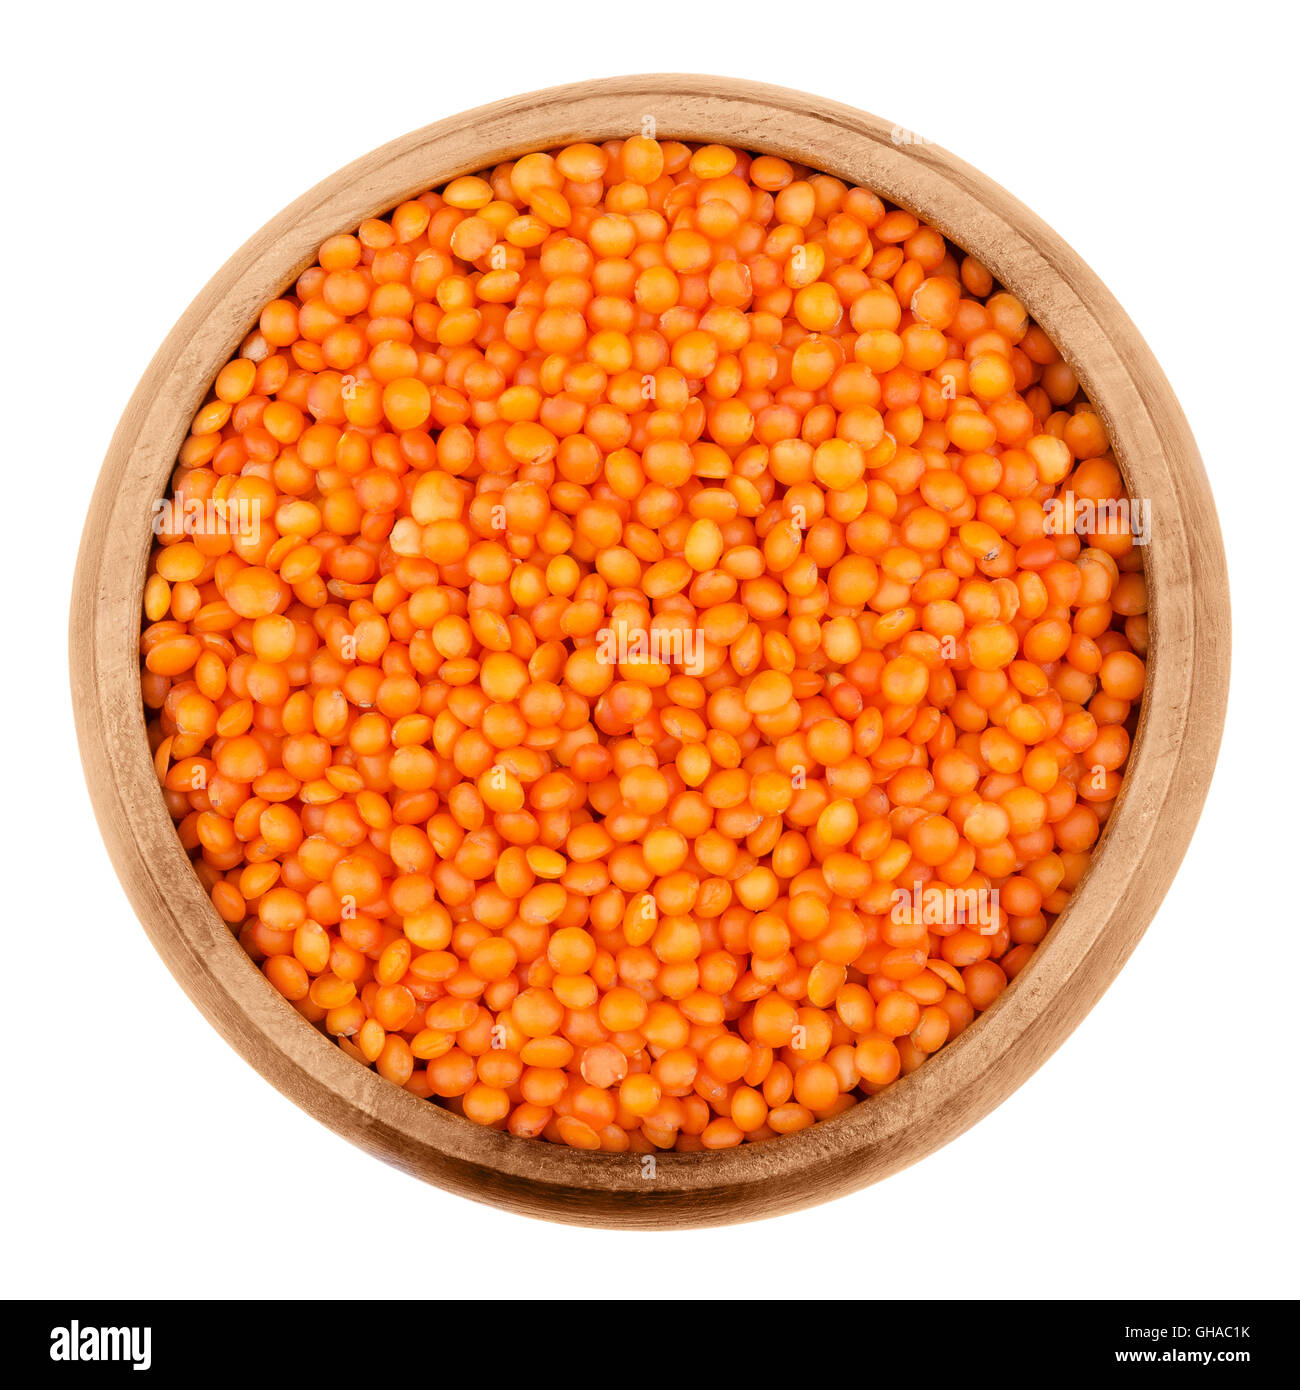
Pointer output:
628, 679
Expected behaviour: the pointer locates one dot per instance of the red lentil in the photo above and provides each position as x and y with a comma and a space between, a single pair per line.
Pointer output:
580, 889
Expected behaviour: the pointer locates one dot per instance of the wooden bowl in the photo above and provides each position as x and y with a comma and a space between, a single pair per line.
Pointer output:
1169, 772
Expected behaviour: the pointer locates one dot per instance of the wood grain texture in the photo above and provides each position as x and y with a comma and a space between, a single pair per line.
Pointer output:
1164, 788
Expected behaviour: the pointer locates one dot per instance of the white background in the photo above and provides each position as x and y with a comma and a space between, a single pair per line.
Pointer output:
1153, 1156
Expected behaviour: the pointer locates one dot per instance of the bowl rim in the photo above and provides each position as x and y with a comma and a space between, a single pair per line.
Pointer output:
1171, 763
